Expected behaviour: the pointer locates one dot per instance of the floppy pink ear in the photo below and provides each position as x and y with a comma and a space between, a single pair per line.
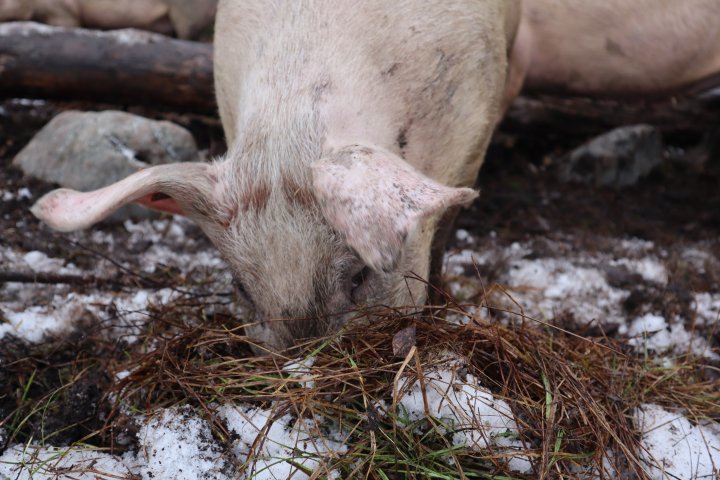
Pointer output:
184, 187
374, 199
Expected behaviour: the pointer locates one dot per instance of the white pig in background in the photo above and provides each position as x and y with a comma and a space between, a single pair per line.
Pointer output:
354, 127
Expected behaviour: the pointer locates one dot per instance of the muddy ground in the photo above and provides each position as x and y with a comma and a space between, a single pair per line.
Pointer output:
675, 208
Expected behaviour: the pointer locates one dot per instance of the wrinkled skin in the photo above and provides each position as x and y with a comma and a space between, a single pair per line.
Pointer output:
354, 127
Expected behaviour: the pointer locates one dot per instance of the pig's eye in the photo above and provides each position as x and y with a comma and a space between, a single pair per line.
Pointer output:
241, 294
358, 285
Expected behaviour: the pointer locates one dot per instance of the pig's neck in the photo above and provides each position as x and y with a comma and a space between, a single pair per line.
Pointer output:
282, 136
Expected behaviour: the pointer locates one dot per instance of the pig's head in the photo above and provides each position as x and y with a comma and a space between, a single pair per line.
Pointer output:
305, 248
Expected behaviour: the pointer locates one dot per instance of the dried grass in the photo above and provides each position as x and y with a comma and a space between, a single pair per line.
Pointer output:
573, 398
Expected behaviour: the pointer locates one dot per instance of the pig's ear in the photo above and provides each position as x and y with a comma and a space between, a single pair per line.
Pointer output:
374, 198
181, 187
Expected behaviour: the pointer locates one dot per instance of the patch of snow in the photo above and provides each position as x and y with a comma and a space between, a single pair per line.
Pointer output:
674, 448
697, 258
149, 230
25, 102
34, 310
176, 231
464, 236
62, 312
516, 247
39, 262
101, 237
463, 288
636, 245
301, 369
159, 253
130, 311
652, 332
649, 323
649, 268
178, 444
288, 443
37, 321
707, 307
455, 262
24, 193
549, 286
30, 462
476, 419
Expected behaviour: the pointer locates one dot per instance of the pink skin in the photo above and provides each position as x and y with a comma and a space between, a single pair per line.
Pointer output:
167, 205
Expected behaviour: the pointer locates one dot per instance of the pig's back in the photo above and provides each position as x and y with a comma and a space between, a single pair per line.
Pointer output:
423, 79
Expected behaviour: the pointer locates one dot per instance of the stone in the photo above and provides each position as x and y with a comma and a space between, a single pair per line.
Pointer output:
89, 150
618, 158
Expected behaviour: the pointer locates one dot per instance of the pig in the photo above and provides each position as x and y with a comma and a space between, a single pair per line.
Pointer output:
354, 129
617, 48
186, 18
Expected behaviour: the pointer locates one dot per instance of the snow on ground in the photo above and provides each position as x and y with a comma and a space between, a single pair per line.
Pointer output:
20, 194
476, 419
37, 321
707, 307
301, 369
675, 448
177, 443
32, 311
21, 462
652, 332
591, 286
290, 446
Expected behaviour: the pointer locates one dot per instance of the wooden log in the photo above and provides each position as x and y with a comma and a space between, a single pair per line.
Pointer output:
541, 115
140, 68
121, 67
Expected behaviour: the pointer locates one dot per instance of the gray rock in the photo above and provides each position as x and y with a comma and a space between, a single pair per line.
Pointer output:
88, 150
615, 159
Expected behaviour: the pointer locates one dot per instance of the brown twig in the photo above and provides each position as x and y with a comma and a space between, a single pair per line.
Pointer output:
71, 279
